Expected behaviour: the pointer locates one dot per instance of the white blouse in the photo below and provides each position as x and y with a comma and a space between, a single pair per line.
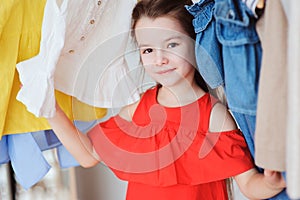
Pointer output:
82, 53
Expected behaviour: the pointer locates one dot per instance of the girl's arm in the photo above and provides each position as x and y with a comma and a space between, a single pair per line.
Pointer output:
256, 185
77, 143
253, 185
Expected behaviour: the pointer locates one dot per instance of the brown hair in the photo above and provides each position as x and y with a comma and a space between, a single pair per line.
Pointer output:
159, 8
171, 8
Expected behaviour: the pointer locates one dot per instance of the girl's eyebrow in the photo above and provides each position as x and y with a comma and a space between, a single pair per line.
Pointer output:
144, 45
166, 40
172, 38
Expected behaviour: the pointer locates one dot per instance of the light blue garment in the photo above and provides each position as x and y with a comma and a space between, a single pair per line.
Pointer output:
48, 140
65, 159
84, 127
25, 153
27, 160
4, 158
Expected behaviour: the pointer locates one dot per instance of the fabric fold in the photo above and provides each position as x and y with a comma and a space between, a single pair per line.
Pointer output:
37, 74
25, 152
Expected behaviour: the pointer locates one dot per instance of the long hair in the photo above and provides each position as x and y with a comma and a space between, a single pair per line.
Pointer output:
176, 10
172, 8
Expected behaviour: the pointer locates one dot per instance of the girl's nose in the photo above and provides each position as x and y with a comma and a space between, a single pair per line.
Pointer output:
161, 57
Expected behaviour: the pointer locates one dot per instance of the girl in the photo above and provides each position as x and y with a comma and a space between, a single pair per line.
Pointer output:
177, 142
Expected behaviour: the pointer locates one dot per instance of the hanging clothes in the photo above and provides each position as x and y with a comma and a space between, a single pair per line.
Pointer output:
229, 53
293, 98
21, 138
20, 34
82, 54
278, 102
25, 152
224, 30
272, 97
255, 6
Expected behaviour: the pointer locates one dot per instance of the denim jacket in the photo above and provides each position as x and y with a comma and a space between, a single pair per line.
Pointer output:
207, 48
228, 50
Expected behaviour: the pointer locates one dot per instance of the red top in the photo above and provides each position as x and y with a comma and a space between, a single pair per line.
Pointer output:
168, 153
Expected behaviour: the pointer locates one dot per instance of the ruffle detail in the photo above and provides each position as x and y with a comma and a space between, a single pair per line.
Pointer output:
168, 154
37, 75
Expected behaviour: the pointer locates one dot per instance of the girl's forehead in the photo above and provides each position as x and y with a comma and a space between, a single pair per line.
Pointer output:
158, 29
158, 23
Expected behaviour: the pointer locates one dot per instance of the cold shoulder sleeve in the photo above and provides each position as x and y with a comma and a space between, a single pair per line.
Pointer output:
168, 155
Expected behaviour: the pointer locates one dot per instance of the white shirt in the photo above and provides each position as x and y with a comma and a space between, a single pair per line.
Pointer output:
251, 4
82, 54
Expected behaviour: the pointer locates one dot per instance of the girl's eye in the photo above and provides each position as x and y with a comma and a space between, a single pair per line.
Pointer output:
147, 51
172, 45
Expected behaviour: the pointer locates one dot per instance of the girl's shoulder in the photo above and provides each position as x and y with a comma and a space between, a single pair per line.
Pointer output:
128, 111
221, 119
146, 98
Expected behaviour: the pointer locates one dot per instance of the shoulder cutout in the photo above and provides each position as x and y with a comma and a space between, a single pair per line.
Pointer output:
221, 119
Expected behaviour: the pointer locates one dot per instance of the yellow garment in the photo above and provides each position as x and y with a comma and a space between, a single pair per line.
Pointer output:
20, 33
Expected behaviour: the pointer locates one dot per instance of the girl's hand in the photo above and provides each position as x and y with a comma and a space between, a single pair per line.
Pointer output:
274, 179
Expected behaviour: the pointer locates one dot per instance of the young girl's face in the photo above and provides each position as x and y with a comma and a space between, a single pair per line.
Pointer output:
167, 52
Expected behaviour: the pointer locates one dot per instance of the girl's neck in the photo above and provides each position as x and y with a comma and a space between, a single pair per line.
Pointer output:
177, 97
